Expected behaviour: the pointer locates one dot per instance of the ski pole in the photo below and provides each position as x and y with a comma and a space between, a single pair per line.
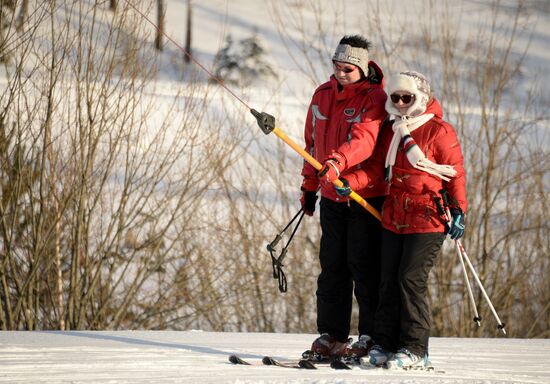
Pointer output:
267, 125
501, 325
271, 246
446, 216
477, 318
277, 262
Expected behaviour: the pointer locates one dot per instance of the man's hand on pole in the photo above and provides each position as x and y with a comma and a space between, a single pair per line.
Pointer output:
332, 167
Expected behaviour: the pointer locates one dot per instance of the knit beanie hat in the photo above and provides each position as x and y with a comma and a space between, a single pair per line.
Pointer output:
416, 84
352, 55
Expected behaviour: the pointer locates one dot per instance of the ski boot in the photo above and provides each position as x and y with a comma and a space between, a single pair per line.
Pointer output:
377, 356
325, 348
405, 359
361, 347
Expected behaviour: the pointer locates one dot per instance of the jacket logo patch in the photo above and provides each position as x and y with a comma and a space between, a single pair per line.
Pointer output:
349, 111
356, 119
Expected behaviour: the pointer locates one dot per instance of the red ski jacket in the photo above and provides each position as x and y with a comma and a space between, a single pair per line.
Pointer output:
410, 206
347, 121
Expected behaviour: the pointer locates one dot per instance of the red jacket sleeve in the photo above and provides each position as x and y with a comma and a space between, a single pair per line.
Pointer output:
310, 182
364, 134
447, 151
372, 171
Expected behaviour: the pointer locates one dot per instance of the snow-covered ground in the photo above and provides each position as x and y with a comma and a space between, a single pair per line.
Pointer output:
201, 357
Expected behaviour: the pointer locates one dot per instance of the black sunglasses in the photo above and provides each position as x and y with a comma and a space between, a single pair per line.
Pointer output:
345, 69
405, 98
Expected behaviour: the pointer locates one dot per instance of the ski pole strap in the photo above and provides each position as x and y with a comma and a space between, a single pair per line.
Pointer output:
439, 206
279, 274
283, 286
445, 196
441, 211
448, 200
277, 262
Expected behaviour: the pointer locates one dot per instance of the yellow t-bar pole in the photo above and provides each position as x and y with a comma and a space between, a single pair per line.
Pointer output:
267, 124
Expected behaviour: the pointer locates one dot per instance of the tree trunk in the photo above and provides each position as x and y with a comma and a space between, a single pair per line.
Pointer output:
23, 13
187, 57
7, 10
160, 24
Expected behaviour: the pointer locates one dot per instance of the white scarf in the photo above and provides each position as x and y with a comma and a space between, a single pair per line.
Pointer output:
416, 157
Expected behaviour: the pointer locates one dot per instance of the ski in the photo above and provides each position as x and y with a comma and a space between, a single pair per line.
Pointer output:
315, 358
346, 364
301, 363
339, 364
271, 361
427, 368
234, 359
268, 360
307, 364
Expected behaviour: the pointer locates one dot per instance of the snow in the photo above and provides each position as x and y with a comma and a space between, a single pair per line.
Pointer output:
202, 357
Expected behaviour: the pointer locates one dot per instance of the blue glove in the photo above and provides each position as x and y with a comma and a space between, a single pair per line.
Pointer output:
344, 190
456, 229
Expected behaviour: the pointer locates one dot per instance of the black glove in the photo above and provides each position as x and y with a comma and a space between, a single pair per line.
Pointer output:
455, 229
308, 200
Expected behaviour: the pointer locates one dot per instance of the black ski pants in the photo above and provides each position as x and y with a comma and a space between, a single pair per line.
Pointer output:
403, 318
350, 263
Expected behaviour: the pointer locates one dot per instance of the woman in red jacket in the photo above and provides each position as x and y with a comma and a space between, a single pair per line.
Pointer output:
418, 155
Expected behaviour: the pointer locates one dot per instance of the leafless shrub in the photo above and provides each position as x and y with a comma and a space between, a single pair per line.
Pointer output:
94, 193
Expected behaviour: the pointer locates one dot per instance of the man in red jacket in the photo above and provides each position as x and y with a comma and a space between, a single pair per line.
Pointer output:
341, 129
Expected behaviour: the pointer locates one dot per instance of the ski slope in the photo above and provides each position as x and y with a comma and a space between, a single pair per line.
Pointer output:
201, 357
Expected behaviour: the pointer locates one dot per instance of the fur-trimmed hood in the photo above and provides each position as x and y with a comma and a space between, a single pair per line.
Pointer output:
416, 84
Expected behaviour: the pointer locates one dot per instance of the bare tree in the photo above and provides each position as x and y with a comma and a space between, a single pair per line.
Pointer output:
188, 32
95, 201
161, 13
7, 27
23, 14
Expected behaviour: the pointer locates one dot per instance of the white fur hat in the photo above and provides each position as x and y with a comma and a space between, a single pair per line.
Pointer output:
416, 84
352, 55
